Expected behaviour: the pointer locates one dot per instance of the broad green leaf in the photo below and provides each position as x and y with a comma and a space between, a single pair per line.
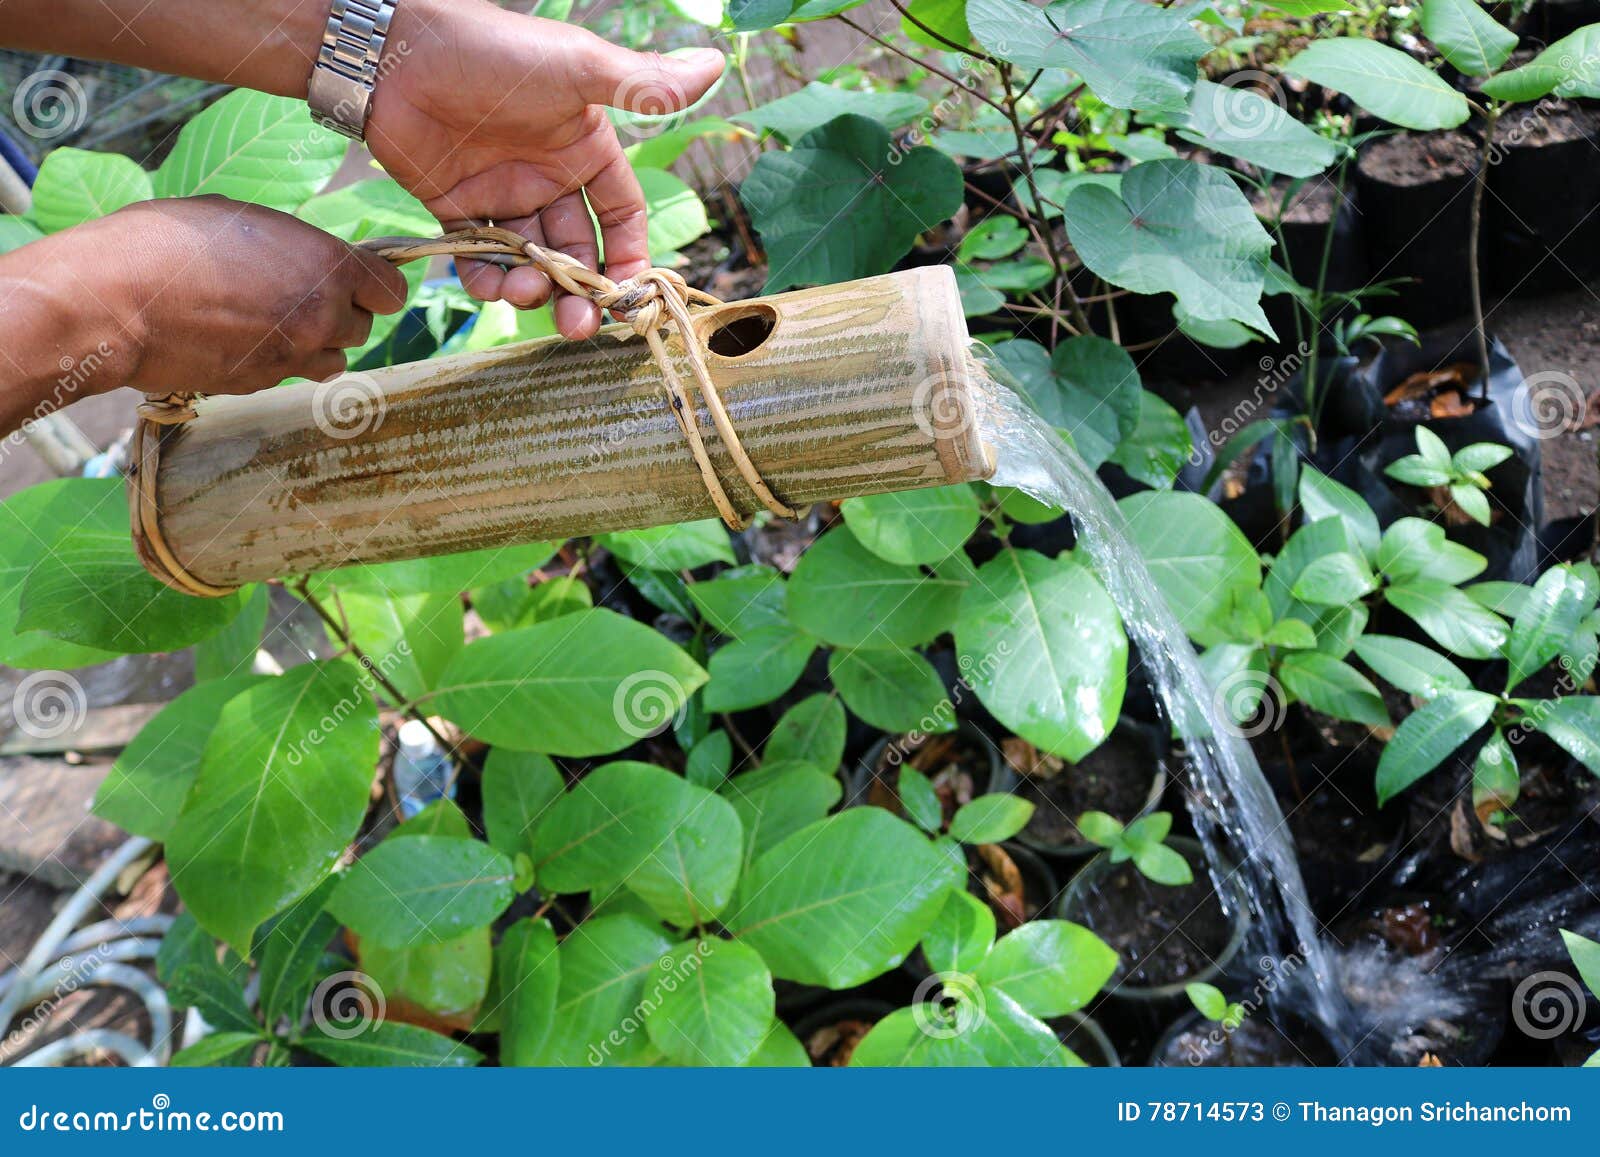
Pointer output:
1009, 1037
841, 901
961, 936
290, 951
847, 596
722, 1010
709, 761
913, 527
442, 574
1159, 446
919, 800
1321, 497
376, 207
1565, 68
74, 186
232, 650
528, 965
609, 968
15, 232
1334, 580
1451, 619
990, 819
757, 668
1291, 634
218, 1049
440, 818
423, 890
779, 1049
1197, 557
410, 638
683, 546
1332, 687
1044, 650
777, 800
754, 15
282, 790
902, 1039
389, 1044
1549, 620
945, 19
1383, 80
1573, 721
797, 114
1495, 779
1089, 388
993, 238
1242, 123
518, 788
217, 996
1585, 955
677, 216
1049, 967
1415, 470
663, 149
86, 585
584, 684
1429, 734
512, 603
893, 690
688, 878
1131, 55
1208, 999
1414, 548
812, 731
736, 603
1180, 228
1467, 36
145, 789
252, 147
842, 205
449, 979
1314, 540
1413, 668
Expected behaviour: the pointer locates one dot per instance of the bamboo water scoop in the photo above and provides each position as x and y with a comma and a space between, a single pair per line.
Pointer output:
846, 390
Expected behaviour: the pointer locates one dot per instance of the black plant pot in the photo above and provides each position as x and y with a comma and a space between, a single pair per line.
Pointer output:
1541, 229
1260, 1040
1131, 765
884, 758
1081, 1033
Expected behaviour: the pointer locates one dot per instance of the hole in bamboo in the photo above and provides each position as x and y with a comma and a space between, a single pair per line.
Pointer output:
739, 330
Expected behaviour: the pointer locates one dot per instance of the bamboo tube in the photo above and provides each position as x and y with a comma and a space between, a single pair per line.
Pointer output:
857, 389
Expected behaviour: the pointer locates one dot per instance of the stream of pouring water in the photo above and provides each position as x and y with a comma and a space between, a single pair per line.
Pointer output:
1235, 813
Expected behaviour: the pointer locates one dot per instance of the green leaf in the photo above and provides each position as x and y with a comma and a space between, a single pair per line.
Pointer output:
1163, 865
1414, 470
990, 819
1413, 668
736, 603
1573, 721
919, 799
1332, 687
893, 690
252, 147
15, 232
1414, 548
1044, 650
1334, 579
841, 901
1471, 501
1565, 68
1321, 497
1480, 457
812, 731
1506, 599
1197, 557
518, 789
792, 117
683, 546
1291, 634
410, 638
754, 15
721, 1011
1131, 55
1585, 955
961, 936
1495, 779
1159, 446
688, 878
375, 207
282, 790
147, 785
757, 668
676, 215
290, 951
1099, 828
1208, 1000
777, 800
1451, 619
584, 684
218, 1049
74, 186
232, 650
449, 979
389, 1044
1467, 36
844, 203
913, 527
423, 890
847, 596
1242, 123
1383, 80
86, 586
1049, 967
442, 574
218, 996
1429, 734
993, 238
1549, 620
609, 967
709, 761
1179, 228
1089, 388
528, 965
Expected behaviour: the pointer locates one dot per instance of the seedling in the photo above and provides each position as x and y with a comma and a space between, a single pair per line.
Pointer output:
1586, 957
1433, 467
1141, 841
1211, 1004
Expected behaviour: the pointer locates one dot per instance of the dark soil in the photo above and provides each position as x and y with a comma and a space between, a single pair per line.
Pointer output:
1409, 159
1312, 203
1551, 122
1257, 1042
959, 767
1115, 778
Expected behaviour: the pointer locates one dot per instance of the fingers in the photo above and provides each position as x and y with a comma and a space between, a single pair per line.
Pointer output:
376, 285
568, 227
354, 331
321, 366
526, 287
482, 281
618, 204
645, 82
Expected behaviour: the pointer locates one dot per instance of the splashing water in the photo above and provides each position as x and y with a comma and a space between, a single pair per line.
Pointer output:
1234, 808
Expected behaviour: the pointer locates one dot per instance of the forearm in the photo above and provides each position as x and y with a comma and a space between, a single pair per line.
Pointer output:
262, 44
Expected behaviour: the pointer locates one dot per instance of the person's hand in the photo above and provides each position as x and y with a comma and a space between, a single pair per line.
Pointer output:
228, 298
488, 115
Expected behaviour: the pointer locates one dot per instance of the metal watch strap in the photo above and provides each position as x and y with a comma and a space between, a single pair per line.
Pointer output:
346, 72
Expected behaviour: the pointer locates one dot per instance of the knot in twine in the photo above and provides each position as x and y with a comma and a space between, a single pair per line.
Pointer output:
651, 303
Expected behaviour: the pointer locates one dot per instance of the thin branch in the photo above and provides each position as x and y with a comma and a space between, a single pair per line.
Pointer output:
976, 94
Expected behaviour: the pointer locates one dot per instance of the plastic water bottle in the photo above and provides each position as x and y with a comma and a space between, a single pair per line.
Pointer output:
422, 770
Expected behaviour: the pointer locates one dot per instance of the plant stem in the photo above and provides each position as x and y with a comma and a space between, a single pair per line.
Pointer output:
920, 63
1491, 117
912, 19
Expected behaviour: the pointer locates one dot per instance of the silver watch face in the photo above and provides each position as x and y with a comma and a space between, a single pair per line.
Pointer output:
339, 102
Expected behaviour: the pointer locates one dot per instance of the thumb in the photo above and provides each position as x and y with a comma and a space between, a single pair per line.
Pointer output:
650, 83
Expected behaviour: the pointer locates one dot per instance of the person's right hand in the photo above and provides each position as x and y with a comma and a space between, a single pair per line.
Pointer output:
221, 297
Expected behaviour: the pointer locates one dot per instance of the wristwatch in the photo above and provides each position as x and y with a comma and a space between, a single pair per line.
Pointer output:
346, 72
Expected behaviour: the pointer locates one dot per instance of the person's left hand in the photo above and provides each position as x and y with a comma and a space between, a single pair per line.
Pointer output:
488, 115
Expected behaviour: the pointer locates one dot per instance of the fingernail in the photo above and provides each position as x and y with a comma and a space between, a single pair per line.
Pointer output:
702, 56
